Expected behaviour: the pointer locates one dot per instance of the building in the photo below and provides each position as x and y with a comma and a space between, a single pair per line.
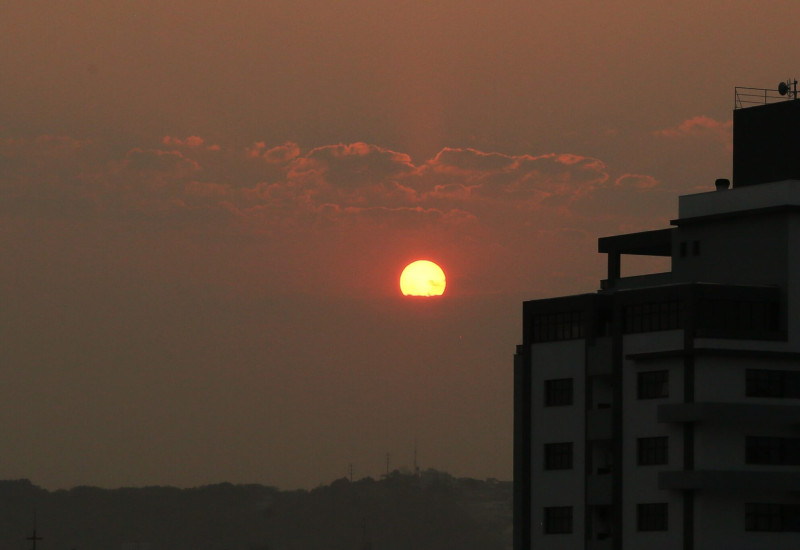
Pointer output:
663, 411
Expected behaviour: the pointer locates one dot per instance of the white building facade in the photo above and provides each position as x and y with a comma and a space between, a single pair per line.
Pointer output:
663, 411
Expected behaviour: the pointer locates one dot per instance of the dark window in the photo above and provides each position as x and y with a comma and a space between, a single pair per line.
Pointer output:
558, 456
558, 519
761, 516
772, 383
695, 247
683, 249
653, 384
652, 316
782, 451
558, 392
741, 317
652, 450
553, 327
652, 516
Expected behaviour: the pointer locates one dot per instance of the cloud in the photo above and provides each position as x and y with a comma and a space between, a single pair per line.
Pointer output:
467, 174
283, 210
470, 162
281, 154
700, 127
636, 181
168, 163
353, 166
191, 141
356, 185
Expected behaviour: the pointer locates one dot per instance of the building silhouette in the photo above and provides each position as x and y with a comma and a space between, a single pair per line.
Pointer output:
663, 411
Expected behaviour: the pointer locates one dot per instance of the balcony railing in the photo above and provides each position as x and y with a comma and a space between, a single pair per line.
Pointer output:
730, 480
758, 414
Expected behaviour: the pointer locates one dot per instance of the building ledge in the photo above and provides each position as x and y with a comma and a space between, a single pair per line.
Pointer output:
767, 211
638, 281
763, 199
730, 413
730, 480
715, 352
645, 243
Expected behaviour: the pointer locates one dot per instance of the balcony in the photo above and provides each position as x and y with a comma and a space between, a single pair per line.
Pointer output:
599, 490
751, 414
730, 480
598, 360
599, 424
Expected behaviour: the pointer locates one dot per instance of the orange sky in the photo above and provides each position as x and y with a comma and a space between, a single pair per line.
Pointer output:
205, 208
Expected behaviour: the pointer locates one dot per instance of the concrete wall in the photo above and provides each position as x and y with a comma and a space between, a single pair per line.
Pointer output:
553, 425
733, 251
794, 282
720, 521
640, 483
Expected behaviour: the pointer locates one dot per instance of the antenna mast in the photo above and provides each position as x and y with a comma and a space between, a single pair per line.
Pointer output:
34, 537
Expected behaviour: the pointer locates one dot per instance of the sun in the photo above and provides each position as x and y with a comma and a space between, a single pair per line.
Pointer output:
422, 278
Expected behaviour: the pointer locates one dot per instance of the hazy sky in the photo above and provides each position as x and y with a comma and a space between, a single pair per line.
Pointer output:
205, 207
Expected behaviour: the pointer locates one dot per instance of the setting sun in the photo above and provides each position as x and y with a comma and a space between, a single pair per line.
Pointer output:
422, 278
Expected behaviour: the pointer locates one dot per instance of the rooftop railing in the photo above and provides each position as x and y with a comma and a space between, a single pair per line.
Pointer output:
748, 97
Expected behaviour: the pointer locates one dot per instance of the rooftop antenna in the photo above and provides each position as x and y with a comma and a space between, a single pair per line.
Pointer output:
788, 88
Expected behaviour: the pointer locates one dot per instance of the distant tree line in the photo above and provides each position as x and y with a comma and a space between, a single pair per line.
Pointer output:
427, 511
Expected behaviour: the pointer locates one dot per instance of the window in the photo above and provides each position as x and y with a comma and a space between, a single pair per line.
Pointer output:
652, 516
558, 456
760, 516
772, 383
653, 384
652, 451
553, 327
558, 392
558, 520
652, 316
742, 317
696, 247
782, 451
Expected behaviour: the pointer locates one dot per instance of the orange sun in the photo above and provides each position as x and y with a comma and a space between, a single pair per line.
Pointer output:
422, 278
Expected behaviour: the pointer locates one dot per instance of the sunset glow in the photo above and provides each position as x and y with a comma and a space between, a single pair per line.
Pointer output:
422, 278
205, 211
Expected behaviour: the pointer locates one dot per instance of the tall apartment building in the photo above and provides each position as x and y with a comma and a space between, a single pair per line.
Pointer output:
663, 411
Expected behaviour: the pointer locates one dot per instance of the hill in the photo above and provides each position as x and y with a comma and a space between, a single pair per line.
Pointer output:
429, 511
